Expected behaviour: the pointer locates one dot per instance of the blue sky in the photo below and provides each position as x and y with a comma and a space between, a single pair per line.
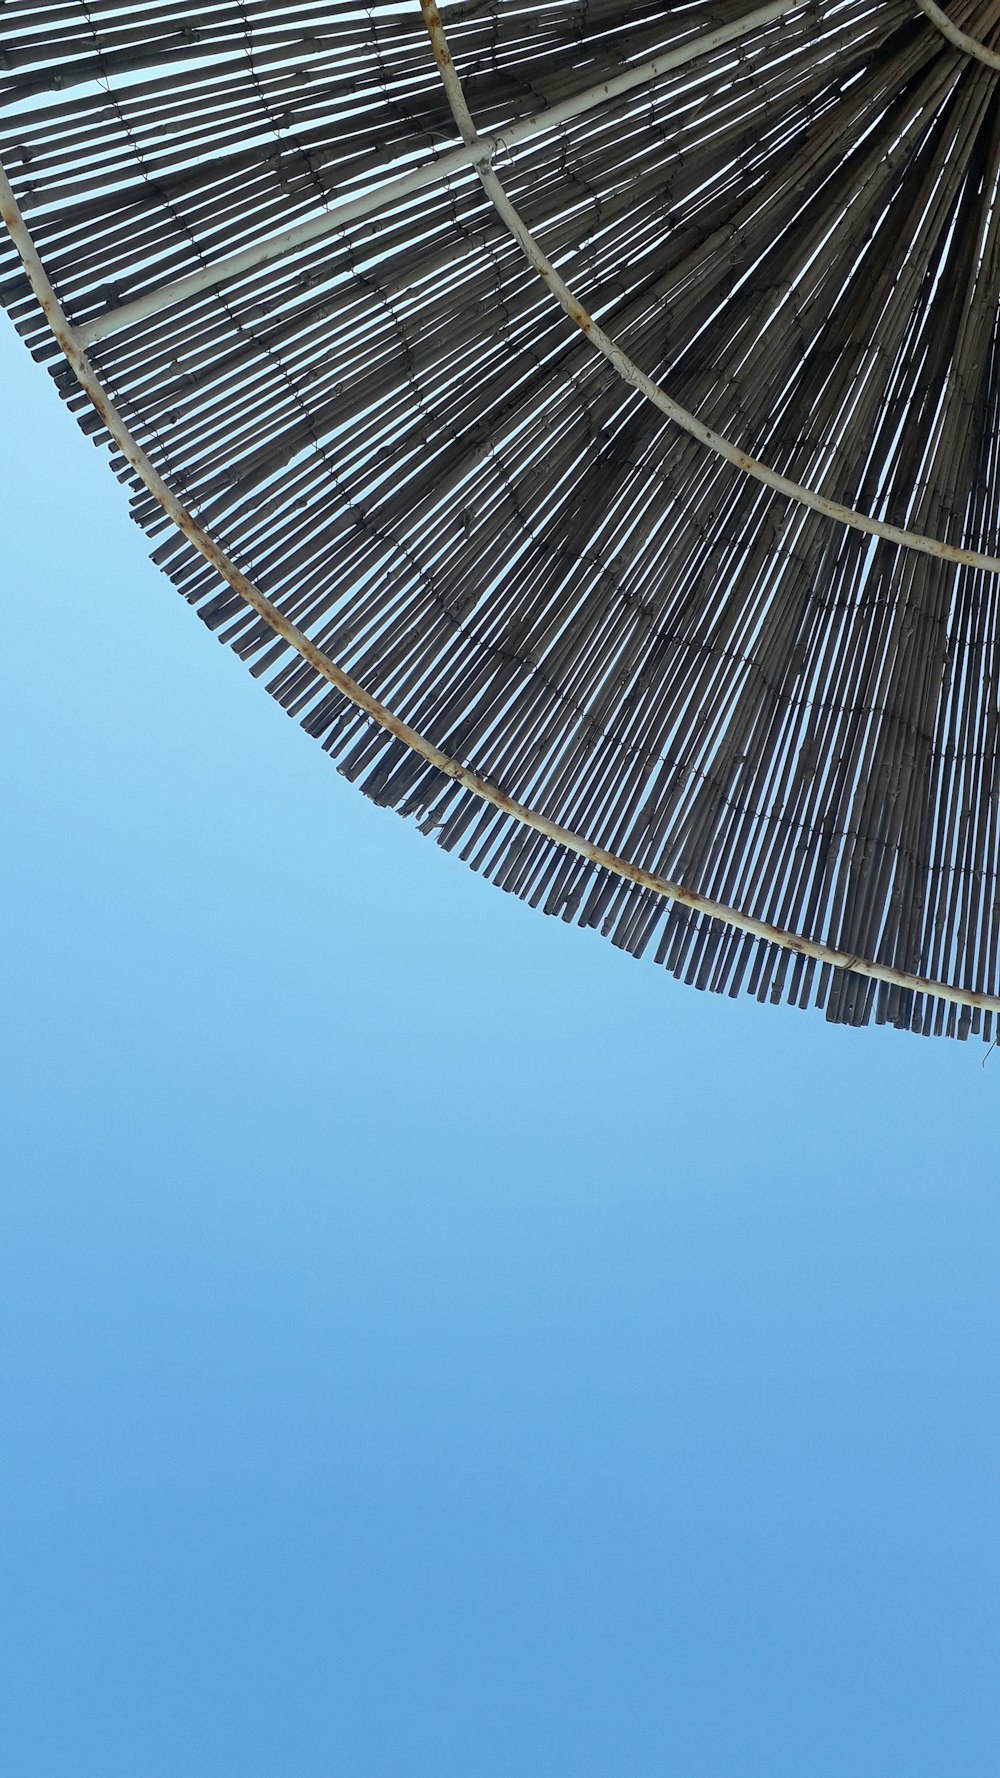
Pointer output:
433, 1345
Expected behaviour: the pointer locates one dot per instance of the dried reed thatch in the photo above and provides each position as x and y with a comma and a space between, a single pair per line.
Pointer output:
585, 425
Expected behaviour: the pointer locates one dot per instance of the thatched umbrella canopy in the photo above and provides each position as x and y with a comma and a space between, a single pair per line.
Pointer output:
586, 425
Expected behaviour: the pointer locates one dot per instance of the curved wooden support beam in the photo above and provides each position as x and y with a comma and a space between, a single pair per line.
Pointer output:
960, 39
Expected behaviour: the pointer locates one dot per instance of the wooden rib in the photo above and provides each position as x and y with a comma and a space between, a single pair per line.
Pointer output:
970, 46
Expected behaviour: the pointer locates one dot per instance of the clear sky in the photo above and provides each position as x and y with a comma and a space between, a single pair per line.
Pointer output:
433, 1345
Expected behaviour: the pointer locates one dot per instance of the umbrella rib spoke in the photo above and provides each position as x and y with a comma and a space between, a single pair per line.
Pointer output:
960, 39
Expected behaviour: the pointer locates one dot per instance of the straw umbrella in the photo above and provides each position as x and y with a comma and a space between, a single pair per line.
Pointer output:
584, 419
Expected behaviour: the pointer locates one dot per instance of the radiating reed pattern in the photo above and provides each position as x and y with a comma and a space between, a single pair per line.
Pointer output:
395, 432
